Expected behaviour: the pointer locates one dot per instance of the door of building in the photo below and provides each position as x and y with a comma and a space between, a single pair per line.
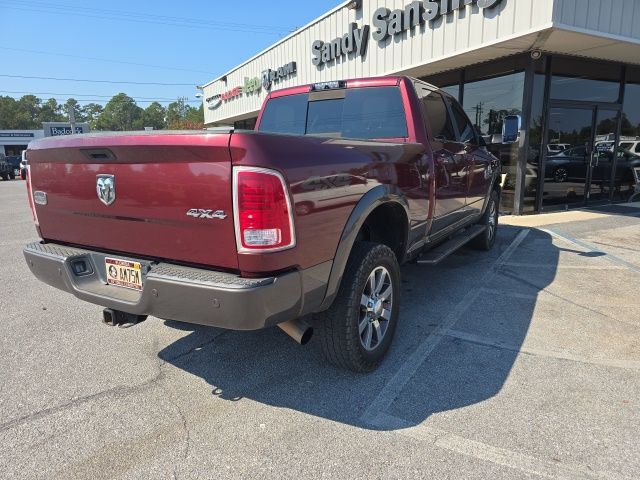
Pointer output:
579, 155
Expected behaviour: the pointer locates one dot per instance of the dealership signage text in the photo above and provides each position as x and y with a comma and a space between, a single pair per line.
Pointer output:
389, 23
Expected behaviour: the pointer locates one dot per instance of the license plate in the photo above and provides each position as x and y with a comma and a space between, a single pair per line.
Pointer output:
123, 273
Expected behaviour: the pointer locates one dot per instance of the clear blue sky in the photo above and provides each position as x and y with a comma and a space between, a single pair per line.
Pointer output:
184, 42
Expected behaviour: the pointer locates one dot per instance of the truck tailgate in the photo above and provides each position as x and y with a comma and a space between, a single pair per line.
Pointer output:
172, 194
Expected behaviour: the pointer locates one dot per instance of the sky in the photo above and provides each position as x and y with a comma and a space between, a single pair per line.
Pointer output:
184, 43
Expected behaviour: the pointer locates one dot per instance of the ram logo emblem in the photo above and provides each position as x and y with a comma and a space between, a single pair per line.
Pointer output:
106, 188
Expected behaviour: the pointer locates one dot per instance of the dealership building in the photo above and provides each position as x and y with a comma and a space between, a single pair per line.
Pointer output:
569, 68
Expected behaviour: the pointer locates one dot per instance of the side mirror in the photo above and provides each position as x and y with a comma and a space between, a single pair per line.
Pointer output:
511, 128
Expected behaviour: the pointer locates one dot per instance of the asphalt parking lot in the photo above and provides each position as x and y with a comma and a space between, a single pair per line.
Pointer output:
520, 363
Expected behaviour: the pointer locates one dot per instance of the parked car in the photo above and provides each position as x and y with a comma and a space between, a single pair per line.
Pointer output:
632, 146
555, 148
206, 226
6, 169
572, 165
14, 161
23, 165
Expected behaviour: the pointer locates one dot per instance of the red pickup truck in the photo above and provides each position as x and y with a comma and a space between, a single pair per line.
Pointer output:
309, 216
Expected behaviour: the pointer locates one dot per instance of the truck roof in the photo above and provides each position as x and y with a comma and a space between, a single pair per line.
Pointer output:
386, 81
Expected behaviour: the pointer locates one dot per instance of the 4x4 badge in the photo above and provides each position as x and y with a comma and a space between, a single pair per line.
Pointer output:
106, 188
210, 214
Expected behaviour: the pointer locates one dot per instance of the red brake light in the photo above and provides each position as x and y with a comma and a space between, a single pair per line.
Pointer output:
30, 195
262, 211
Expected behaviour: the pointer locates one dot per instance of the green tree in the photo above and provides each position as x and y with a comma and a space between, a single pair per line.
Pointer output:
153, 116
90, 113
120, 113
182, 116
8, 110
27, 112
77, 109
50, 111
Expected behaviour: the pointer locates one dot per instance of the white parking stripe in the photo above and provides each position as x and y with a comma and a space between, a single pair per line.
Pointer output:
408, 369
558, 355
483, 451
582, 244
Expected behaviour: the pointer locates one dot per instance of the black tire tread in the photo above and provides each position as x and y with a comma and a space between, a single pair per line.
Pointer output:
482, 242
338, 343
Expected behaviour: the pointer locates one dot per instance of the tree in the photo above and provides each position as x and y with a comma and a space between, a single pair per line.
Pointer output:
77, 110
153, 116
90, 113
8, 109
27, 112
50, 111
182, 116
120, 113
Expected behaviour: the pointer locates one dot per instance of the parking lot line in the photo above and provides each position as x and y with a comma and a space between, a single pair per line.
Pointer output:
564, 267
581, 243
407, 370
538, 352
489, 453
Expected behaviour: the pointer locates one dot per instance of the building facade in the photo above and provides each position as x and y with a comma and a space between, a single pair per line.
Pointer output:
569, 68
13, 142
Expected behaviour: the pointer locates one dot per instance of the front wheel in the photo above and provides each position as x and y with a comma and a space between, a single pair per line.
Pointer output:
357, 330
489, 219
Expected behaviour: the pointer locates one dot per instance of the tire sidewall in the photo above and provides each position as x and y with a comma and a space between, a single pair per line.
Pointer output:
372, 262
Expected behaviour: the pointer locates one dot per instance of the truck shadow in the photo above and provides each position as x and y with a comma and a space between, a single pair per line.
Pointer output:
469, 364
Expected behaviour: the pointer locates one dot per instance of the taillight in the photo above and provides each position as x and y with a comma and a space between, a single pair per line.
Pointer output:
262, 210
30, 194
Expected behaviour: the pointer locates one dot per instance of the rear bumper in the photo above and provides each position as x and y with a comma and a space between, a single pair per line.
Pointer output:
186, 294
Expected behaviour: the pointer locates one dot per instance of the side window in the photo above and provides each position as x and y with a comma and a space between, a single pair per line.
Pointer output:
637, 147
437, 116
467, 133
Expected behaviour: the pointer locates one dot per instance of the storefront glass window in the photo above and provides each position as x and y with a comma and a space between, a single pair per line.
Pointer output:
487, 102
628, 169
567, 88
536, 133
580, 79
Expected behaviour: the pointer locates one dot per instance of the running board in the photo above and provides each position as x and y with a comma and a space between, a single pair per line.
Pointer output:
439, 253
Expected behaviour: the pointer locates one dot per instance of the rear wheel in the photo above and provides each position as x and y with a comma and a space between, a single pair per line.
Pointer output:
560, 175
489, 219
357, 330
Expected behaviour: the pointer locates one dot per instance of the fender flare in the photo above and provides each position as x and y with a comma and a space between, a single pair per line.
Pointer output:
371, 200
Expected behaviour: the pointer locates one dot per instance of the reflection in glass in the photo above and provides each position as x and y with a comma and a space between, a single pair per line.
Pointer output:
487, 103
602, 164
535, 141
566, 173
628, 170
572, 88
453, 90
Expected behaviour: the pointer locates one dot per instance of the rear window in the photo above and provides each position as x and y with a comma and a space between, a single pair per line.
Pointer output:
366, 113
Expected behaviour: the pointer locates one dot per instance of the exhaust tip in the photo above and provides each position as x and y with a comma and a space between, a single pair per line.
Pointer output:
298, 330
306, 336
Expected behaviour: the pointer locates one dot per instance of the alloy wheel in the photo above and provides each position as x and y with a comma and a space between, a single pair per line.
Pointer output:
376, 305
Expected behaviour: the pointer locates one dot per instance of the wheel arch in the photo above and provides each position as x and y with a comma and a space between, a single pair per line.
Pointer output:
365, 223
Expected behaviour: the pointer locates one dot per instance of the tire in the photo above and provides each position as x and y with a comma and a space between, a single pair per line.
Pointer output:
344, 343
487, 239
560, 175
12, 176
5, 176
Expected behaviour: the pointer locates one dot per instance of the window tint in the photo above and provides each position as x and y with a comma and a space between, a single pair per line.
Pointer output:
465, 128
285, 115
366, 113
437, 116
